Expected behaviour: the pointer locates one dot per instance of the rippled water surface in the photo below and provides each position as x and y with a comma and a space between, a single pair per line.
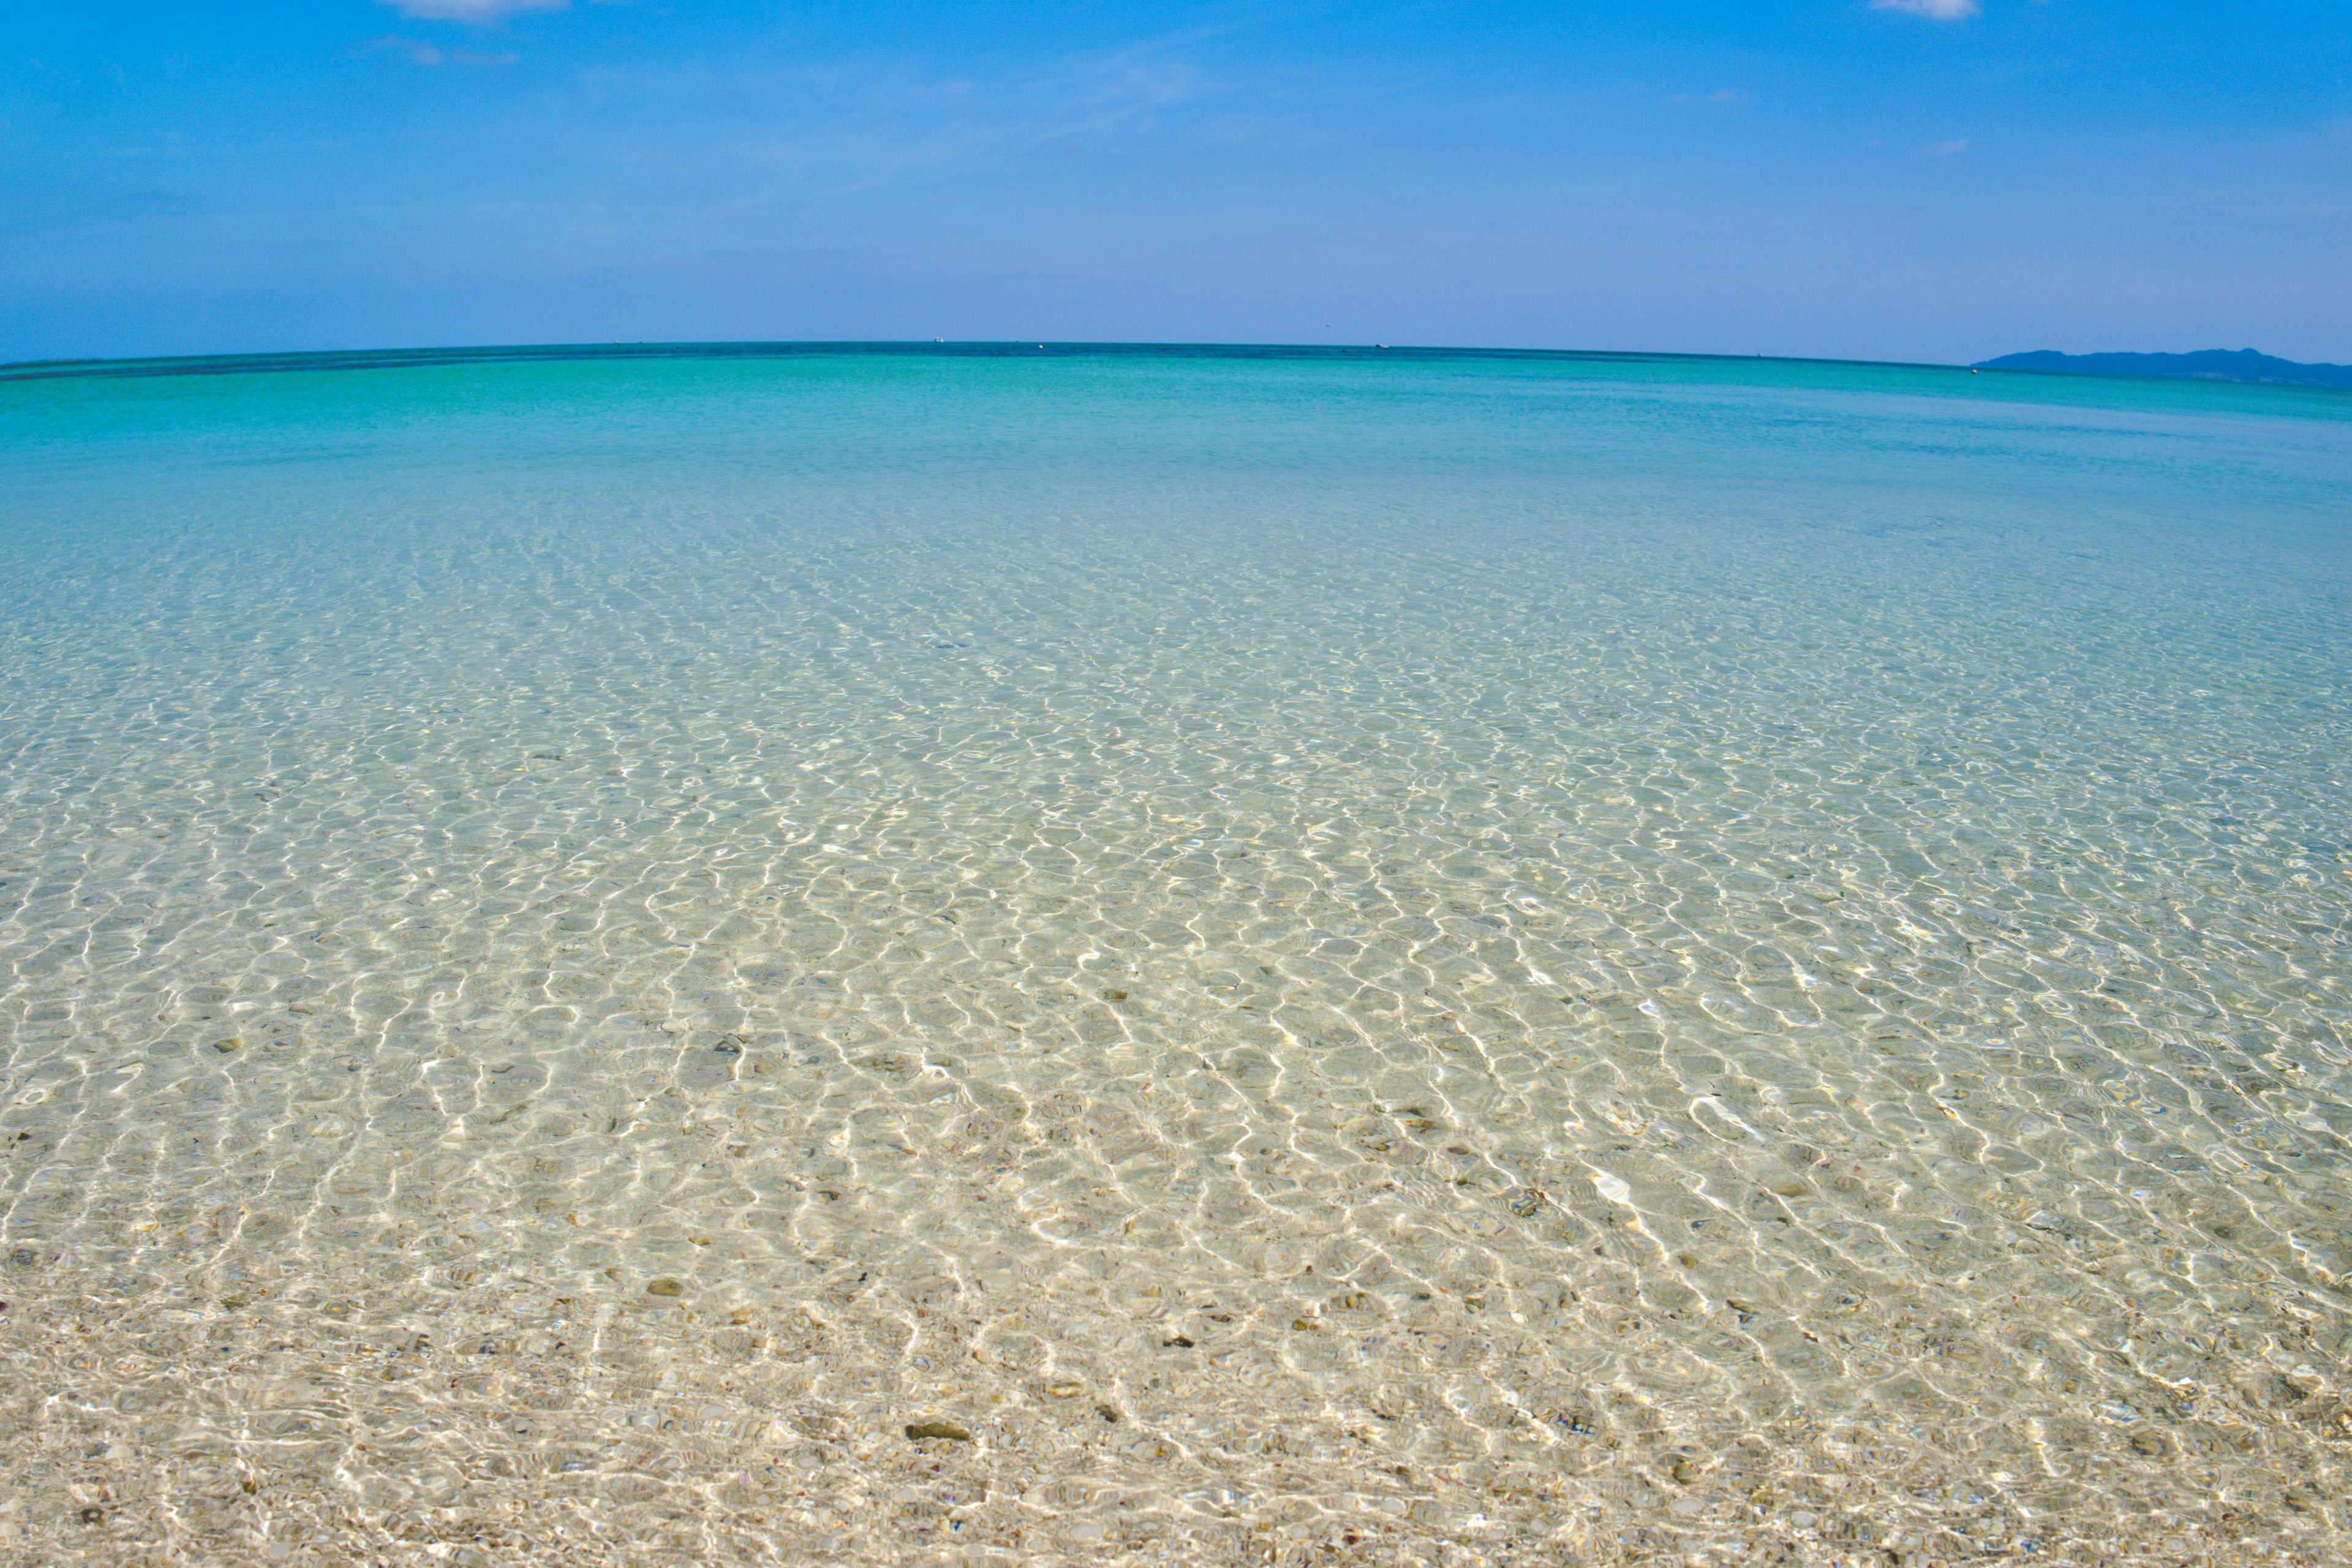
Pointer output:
1326, 959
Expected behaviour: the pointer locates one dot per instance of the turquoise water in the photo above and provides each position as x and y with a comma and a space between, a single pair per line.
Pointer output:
1363, 958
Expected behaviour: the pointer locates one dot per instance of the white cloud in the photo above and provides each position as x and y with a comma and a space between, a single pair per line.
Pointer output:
1945, 148
481, 12
1934, 10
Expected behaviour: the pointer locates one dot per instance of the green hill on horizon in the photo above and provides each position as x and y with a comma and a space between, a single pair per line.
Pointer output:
2205, 365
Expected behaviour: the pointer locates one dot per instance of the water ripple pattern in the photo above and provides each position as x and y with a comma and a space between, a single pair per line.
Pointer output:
897, 959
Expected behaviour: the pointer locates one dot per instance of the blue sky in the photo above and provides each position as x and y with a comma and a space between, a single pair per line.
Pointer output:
1933, 179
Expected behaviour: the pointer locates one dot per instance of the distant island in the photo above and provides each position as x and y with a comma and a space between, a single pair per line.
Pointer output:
2206, 364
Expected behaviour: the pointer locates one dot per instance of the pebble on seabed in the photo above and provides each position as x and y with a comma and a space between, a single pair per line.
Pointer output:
919, 1430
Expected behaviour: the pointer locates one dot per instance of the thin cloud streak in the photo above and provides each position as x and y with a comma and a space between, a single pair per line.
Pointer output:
417, 51
480, 12
1934, 10
846, 129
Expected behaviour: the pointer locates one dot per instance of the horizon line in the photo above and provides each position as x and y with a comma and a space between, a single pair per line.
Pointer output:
514, 353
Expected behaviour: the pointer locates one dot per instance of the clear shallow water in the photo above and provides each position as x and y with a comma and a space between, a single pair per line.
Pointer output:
1447, 958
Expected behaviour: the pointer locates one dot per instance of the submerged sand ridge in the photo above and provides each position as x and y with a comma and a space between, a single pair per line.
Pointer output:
1196, 1024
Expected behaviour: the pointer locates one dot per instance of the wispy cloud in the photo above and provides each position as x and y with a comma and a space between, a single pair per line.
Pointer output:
851, 129
1945, 148
481, 12
1100, 91
1934, 10
1724, 97
417, 51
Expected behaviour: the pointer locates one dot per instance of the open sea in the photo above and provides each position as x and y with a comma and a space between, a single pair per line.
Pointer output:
866, 955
